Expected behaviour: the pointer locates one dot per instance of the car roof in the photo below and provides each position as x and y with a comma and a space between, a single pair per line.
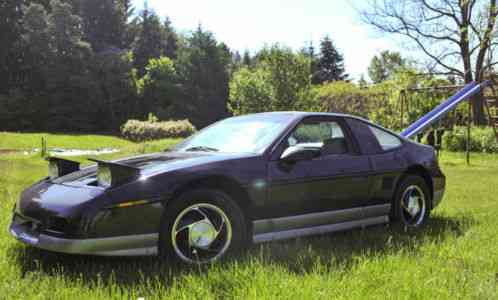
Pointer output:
301, 114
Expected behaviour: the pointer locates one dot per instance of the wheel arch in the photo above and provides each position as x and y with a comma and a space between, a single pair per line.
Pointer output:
226, 184
419, 170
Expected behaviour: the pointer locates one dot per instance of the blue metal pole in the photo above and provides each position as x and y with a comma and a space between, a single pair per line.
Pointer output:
441, 110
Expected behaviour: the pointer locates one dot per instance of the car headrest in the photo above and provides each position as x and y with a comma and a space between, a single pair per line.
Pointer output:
334, 146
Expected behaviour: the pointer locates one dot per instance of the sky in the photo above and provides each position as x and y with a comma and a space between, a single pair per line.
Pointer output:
253, 24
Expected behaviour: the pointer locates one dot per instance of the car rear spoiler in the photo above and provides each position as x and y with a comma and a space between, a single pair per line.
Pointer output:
444, 108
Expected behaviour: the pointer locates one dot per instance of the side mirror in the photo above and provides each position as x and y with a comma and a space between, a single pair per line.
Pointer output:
293, 154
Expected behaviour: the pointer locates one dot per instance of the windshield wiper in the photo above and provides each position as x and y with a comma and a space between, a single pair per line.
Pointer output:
202, 148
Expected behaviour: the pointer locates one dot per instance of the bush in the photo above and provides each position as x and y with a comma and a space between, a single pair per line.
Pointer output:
482, 139
139, 131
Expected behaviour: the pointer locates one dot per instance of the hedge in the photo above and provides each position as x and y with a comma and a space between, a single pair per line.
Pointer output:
139, 131
482, 139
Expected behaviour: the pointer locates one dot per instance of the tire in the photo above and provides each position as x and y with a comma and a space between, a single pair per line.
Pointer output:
201, 226
415, 211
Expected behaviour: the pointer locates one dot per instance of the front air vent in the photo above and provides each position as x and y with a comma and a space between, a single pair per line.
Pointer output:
57, 225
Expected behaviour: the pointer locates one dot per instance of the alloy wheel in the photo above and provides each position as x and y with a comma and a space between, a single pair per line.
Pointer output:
413, 205
201, 233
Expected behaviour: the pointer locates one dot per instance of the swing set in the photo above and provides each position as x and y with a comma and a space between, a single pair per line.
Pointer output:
445, 117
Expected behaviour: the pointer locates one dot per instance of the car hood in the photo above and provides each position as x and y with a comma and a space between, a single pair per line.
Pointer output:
151, 164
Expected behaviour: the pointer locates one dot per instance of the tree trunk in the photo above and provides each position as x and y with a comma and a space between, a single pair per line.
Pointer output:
478, 109
478, 104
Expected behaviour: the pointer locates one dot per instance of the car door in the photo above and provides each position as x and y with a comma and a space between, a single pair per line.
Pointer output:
333, 181
385, 152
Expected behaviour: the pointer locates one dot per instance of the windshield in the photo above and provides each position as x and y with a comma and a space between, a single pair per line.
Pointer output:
253, 133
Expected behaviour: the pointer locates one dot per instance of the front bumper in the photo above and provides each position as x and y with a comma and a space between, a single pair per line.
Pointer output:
129, 245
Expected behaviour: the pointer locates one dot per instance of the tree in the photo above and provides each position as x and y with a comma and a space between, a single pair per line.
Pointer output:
170, 39
251, 91
67, 77
203, 65
159, 87
132, 25
457, 37
330, 65
385, 65
362, 83
247, 59
10, 33
103, 23
310, 52
114, 85
290, 77
280, 80
150, 41
37, 50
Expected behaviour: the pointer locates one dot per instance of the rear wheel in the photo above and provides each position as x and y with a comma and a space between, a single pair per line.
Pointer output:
201, 226
411, 203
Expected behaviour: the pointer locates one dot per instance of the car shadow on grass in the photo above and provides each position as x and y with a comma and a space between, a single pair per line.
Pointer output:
299, 256
343, 249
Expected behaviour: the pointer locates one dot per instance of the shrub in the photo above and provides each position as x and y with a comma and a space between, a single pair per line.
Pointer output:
139, 131
482, 139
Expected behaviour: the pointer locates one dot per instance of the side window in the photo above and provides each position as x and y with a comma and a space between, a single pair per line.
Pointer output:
326, 135
386, 140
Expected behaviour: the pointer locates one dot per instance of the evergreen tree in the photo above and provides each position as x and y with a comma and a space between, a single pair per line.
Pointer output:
247, 60
235, 62
115, 88
330, 64
37, 40
149, 43
309, 52
362, 82
203, 67
10, 46
67, 78
131, 24
236, 58
170, 39
104, 23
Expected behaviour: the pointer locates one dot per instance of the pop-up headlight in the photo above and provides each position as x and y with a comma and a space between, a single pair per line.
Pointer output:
112, 174
58, 167
104, 177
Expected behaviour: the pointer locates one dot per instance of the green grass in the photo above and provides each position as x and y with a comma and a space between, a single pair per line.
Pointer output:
10, 140
10, 143
454, 257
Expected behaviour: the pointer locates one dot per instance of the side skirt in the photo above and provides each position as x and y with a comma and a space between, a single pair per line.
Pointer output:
293, 233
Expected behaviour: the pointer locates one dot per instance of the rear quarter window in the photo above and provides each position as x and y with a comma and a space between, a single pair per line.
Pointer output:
387, 141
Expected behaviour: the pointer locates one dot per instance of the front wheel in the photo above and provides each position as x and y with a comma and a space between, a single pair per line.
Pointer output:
201, 226
411, 202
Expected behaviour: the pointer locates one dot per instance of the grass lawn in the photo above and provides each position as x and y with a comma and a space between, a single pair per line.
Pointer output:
11, 140
27, 141
454, 257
